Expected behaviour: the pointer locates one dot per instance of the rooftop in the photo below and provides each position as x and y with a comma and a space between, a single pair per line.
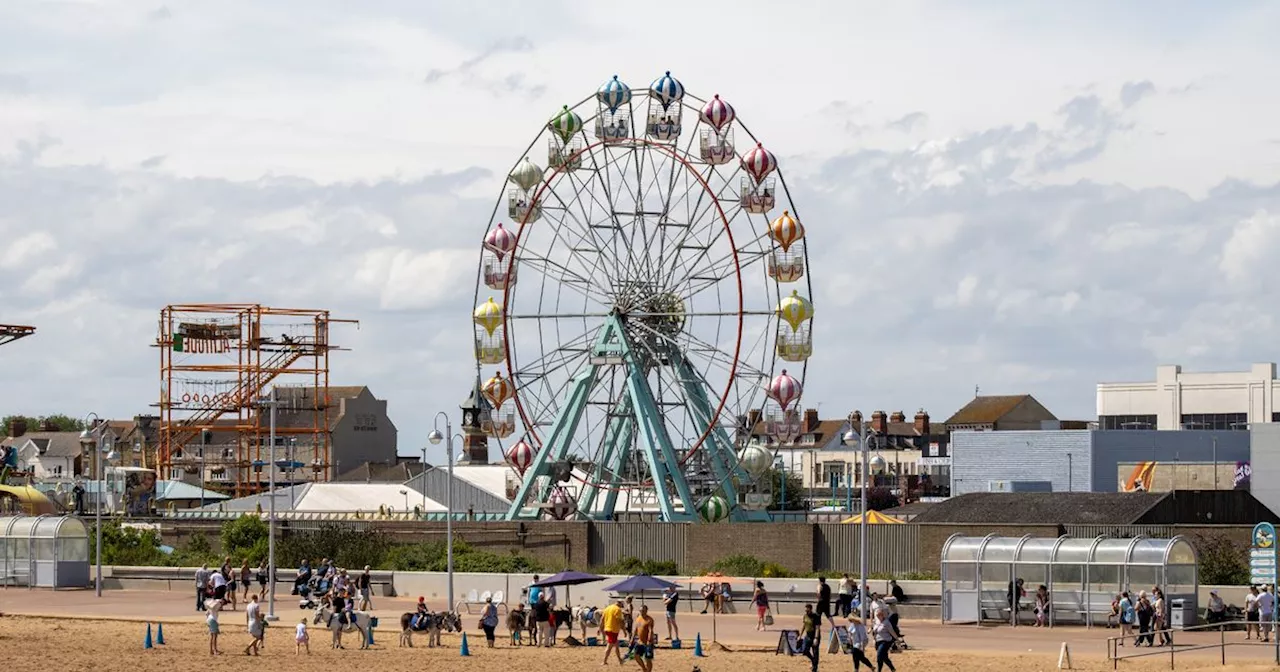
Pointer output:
1043, 508
986, 410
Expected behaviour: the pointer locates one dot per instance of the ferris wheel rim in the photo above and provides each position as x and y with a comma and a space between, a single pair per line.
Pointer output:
678, 156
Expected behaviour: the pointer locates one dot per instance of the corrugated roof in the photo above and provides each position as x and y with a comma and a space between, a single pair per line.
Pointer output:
335, 498
986, 410
1043, 508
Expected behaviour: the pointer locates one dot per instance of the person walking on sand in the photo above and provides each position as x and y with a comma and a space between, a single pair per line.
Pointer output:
211, 621
1128, 614
1266, 606
301, 640
611, 625
885, 637
257, 625
810, 634
824, 600
645, 640
844, 601
202, 587
670, 600
365, 584
489, 622
760, 598
262, 580
858, 637
542, 618
1251, 614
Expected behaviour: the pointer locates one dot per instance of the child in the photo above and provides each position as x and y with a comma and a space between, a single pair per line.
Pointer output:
212, 621
301, 640
515, 623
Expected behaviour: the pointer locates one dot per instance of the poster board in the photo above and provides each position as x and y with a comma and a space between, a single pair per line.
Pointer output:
788, 642
840, 640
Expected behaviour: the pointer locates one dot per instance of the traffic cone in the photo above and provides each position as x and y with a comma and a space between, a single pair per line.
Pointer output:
146, 642
466, 651
697, 647
160, 634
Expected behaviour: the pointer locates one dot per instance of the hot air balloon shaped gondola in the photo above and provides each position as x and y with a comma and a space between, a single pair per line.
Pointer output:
613, 120
666, 94
491, 347
715, 140
520, 200
758, 195
786, 260
795, 342
499, 269
564, 147
782, 420
502, 421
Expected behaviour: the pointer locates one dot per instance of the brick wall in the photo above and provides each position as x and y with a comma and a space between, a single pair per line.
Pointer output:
788, 544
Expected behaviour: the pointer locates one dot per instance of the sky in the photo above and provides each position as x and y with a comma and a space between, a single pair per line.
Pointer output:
1012, 197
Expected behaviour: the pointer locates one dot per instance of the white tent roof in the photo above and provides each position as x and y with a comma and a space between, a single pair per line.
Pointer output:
336, 498
491, 478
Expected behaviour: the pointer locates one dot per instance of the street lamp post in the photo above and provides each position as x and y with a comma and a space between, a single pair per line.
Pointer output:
271, 508
435, 437
423, 476
860, 438
91, 441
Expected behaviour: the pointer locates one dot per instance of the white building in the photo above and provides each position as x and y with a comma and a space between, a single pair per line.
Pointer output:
1177, 400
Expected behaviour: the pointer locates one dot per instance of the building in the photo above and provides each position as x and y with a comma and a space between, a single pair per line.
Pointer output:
1176, 400
47, 456
336, 498
1002, 413
1096, 460
1184, 507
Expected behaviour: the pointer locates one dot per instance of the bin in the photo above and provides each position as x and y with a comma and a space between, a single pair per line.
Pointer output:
1182, 613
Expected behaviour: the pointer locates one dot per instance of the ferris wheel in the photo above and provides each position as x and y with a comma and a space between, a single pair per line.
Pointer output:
642, 306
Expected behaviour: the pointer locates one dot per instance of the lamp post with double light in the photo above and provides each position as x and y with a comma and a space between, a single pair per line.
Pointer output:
91, 444
857, 436
272, 404
435, 437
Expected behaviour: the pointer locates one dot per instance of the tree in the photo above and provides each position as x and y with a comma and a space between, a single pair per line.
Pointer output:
794, 493
1223, 562
60, 421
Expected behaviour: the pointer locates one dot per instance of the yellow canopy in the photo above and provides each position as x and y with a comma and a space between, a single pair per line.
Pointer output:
874, 518
26, 499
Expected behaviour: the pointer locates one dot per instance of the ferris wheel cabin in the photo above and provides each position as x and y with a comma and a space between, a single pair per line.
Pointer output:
786, 265
757, 198
498, 273
664, 122
794, 346
564, 155
715, 147
522, 207
614, 126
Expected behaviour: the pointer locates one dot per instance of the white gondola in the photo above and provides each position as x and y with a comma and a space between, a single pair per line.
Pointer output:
521, 207
498, 273
786, 266
794, 346
500, 424
717, 147
613, 127
757, 198
490, 348
781, 426
663, 124
567, 155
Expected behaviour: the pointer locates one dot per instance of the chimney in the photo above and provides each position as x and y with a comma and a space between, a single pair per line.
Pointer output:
878, 424
17, 427
898, 416
48, 426
810, 419
855, 422
922, 423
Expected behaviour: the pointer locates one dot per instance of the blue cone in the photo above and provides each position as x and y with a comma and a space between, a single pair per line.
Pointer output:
466, 651
697, 647
146, 642
160, 633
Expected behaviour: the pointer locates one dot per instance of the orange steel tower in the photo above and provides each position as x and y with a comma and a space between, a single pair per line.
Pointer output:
12, 332
217, 362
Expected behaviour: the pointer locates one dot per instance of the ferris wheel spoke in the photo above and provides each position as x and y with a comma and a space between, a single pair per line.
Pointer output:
714, 272
585, 242
704, 232
562, 274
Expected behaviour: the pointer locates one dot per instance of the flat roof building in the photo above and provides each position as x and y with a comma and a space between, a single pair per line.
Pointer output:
1226, 400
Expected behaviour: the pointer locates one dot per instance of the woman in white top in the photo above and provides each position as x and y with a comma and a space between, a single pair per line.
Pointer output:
211, 620
1251, 614
885, 637
858, 635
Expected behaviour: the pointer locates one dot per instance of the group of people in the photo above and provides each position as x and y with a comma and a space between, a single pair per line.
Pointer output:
1148, 611
884, 636
335, 588
220, 584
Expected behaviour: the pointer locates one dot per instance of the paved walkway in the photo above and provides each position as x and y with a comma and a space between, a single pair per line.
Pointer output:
736, 630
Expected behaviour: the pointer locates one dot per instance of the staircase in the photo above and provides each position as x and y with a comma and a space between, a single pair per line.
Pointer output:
243, 396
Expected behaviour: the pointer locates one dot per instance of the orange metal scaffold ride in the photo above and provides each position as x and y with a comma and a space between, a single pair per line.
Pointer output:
217, 362
12, 332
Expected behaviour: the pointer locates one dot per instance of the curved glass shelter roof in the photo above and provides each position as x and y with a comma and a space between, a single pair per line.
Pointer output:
1069, 550
45, 551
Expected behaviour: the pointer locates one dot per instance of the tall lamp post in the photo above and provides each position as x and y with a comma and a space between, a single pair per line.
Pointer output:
272, 404
435, 437
91, 443
423, 476
858, 436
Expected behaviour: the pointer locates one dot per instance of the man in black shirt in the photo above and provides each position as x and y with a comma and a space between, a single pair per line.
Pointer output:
824, 600
811, 633
365, 584
542, 617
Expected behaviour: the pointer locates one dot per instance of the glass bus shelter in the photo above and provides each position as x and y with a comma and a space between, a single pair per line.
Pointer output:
1082, 577
44, 552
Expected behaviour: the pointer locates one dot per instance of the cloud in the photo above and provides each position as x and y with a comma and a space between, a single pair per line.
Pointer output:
13, 84
909, 122
1132, 92
471, 69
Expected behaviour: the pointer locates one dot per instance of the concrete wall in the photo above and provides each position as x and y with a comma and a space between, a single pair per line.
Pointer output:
1264, 458
1167, 449
362, 434
980, 457
1174, 393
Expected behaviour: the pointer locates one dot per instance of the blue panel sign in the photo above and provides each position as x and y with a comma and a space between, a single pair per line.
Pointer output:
1262, 554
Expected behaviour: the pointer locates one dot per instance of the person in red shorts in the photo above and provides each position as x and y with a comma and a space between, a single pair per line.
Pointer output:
611, 624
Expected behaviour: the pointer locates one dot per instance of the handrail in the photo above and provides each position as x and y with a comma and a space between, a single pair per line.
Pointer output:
1113, 649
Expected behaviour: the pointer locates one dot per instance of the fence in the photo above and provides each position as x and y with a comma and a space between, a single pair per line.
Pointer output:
611, 542
895, 549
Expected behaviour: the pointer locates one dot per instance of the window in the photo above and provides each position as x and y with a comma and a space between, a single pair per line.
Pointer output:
1221, 421
57, 471
1275, 416
1127, 422
833, 471
175, 473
